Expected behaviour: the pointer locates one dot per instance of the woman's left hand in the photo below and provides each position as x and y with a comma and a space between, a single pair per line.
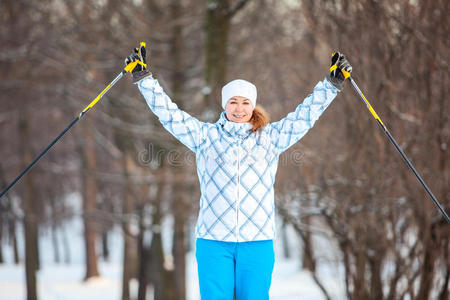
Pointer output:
340, 69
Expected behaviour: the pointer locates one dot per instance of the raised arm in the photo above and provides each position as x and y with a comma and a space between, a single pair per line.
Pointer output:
184, 127
296, 124
187, 129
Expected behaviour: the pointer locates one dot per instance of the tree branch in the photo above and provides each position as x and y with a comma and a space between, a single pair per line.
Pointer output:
236, 7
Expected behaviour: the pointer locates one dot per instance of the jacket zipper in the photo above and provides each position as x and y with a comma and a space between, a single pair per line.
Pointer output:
238, 184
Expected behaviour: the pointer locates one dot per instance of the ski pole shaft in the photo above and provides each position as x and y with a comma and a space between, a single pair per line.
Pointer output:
397, 147
129, 68
64, 132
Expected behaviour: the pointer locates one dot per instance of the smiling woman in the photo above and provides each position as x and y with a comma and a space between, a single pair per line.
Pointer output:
239, 109
239, 102
237, 160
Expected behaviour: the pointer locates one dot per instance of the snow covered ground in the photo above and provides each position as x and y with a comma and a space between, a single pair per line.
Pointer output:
64, 282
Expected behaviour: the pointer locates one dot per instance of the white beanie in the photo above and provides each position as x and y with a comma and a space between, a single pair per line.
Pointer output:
239, 87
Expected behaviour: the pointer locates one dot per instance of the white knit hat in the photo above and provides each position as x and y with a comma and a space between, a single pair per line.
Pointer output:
239, 87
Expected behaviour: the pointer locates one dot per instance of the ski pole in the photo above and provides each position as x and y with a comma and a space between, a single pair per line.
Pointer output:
128, 68
397, 147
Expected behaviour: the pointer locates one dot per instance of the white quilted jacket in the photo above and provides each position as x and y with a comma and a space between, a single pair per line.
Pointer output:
236, 168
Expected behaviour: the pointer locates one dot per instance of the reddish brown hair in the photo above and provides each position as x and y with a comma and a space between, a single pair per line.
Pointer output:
259, 119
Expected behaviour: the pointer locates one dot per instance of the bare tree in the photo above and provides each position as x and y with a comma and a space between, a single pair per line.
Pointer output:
217, 27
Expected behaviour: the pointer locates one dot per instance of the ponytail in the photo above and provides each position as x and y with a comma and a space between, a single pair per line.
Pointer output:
259, 119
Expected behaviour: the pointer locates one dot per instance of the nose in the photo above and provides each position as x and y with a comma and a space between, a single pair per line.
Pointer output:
239, 107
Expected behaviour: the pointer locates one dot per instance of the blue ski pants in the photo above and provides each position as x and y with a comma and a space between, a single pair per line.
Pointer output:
228, 269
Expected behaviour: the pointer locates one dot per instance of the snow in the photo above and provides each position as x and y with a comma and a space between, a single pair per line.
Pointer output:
61, 282
65, 281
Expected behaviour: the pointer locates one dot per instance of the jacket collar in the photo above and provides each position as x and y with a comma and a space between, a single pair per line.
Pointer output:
234, 128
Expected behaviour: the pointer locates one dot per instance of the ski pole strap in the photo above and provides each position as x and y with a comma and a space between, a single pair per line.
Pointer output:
130, 67
345, 73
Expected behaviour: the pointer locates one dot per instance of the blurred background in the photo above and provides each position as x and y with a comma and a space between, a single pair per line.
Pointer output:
109, 212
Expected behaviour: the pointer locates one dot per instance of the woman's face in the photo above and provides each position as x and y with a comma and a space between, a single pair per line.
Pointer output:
239, 109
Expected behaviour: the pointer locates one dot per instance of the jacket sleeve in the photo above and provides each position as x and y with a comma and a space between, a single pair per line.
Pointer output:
184, 127
286, 132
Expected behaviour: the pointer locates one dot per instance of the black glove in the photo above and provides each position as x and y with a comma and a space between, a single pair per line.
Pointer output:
140, 71
338, 64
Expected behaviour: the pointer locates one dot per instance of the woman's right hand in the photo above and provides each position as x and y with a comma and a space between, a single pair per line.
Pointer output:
140, 70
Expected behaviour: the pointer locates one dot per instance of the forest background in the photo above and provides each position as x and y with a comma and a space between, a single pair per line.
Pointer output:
343, 181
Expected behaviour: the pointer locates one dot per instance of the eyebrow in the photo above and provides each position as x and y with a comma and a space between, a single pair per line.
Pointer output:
245, 100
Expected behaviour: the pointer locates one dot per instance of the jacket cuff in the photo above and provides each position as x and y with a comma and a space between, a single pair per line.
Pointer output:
335, 82
137, 76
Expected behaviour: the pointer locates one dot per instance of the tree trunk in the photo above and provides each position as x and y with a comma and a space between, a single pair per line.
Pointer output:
157, 254
308, 262
4, 215
56, 255
359, 279
179, 207
30, 218
66, 246
105, 248
284, 241
11, 225
431, 248
161, 278
444, 293
375, 284
13, 236
128, 268
144, 255
89, 202
54, 226
217, 26
1, 240
180, 211
130, 261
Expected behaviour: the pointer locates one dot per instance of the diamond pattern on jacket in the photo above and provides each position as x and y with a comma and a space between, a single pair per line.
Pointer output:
216, 147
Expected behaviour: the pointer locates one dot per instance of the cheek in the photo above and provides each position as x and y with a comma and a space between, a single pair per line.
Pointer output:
228, 113
229, 108
249, 113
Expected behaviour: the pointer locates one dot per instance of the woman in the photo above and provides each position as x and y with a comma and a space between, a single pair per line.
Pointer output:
237, 159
